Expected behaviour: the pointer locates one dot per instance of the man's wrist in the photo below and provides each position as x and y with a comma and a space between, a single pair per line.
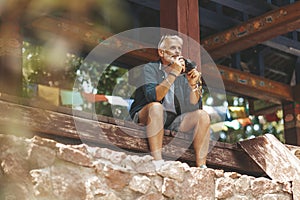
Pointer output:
198, 83
194, 87
172, 73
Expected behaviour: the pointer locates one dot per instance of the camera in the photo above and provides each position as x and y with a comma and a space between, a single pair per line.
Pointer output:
189, 65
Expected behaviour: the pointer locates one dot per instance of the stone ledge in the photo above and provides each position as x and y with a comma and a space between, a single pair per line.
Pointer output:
39, 168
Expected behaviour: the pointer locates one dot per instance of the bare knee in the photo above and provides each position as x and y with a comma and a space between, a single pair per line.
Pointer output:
155, 119
155, 113
203, 117
156, 109
152, 111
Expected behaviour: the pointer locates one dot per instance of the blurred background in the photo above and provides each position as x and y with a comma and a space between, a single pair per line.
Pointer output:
43, 44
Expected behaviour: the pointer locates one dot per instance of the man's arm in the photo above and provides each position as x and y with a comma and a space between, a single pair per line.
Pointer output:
153, 90
195, 83
163, 88
195, 94
176, 66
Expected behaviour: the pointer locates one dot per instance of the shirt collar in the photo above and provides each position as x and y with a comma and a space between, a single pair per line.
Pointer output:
160, 65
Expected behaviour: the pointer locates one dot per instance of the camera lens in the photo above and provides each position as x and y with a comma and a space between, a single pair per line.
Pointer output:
189, 65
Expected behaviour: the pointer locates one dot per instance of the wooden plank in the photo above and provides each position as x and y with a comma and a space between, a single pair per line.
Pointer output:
124, 135
255, 86
259, 107
257, 30
284, 44
273, 157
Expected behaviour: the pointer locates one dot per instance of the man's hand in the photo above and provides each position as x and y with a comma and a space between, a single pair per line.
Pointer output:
193, 77
177, 64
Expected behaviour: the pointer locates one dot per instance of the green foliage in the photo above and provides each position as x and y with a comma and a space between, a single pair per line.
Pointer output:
79, 74
36, 69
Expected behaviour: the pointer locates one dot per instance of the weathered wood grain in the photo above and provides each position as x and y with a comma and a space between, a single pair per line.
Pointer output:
273, 157
250, 33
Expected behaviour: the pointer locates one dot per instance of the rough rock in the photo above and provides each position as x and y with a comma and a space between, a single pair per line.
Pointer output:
42, 169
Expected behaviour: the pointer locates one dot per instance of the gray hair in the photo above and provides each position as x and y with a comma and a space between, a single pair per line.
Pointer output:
161, 43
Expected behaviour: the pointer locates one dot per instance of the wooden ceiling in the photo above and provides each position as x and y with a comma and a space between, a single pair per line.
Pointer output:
257, 36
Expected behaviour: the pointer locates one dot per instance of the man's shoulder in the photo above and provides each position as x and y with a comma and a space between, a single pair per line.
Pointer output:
152, 63
152, 66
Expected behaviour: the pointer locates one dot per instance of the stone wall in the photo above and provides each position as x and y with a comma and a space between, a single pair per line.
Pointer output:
43, 169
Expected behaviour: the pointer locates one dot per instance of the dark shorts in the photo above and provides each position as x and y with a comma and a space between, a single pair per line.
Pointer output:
172, 121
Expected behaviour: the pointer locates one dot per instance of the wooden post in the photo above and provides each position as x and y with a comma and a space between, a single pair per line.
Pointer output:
10, 52
291, 114
297, 71
183, 16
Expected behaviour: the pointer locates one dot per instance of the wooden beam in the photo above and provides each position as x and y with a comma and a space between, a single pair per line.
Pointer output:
219, 22
284, 44
254, 86
261, 107
58, 122
254, 31
273, 157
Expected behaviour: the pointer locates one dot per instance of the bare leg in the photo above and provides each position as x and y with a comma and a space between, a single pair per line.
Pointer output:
152, 116
199, 121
